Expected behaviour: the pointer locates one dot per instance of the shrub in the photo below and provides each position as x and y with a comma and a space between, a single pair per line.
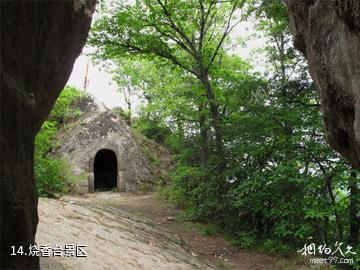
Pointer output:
152, 129
52, 175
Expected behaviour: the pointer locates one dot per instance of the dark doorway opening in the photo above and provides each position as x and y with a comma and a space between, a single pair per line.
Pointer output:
105, 170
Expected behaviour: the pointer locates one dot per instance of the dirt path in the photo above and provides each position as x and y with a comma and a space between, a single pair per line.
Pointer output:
127, 231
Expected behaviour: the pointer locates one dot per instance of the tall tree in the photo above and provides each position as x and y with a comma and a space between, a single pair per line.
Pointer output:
193, 40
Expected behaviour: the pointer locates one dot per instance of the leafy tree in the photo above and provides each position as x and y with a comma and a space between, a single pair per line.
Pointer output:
193, 40
251, 150
126, 74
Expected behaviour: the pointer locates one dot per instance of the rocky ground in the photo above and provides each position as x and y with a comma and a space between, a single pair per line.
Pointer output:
127, 231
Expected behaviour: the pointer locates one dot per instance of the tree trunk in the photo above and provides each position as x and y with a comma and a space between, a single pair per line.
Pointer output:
354, 220
204, 155
333, 202
326, 230
127, 97
217, 124
180, 129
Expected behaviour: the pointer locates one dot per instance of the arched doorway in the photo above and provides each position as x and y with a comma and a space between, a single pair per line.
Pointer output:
105, 170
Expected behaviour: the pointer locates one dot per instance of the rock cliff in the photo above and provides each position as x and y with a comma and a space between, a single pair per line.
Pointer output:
40, 41
328, 34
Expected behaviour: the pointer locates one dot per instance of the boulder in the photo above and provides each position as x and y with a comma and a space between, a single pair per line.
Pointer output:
328, 34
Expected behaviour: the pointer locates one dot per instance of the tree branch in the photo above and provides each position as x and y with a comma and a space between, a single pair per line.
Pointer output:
226, 32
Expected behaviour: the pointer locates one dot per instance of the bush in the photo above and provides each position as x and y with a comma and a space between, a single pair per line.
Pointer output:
152, 129
199, 190
52, 175
62, 109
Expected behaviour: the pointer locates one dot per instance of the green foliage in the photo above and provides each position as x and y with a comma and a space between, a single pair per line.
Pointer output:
52, 174
252, 156
152, 128
62, 109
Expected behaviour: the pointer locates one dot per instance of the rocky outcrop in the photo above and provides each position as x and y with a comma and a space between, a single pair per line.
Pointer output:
114, 238
40, 41
328, 34
95, 129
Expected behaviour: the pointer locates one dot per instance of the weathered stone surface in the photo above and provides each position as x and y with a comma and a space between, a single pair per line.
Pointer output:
99, 128
40, 41
328, 34
115, 239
